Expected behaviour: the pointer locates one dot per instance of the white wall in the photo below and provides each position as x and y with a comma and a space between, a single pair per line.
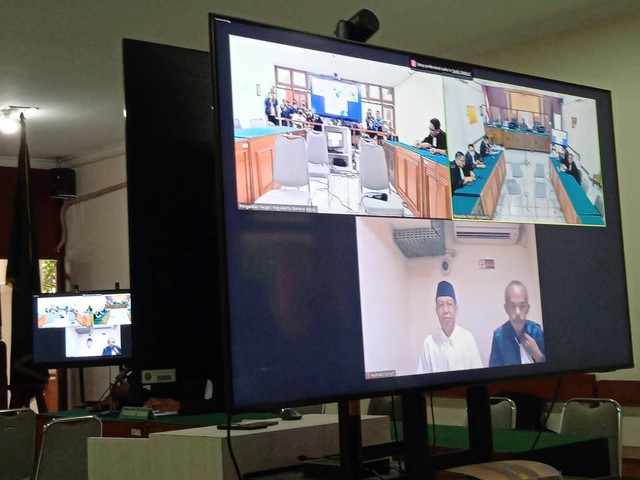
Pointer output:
418, 99
458, 95
581, 137
250, 68
97, 248
5, 309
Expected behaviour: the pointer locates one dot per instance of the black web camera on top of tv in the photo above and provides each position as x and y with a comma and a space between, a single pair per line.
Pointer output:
359, 28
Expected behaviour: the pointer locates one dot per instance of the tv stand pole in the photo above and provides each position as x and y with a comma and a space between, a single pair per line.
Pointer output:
479, 415
350, 439
83, 398
415, 436
422, 464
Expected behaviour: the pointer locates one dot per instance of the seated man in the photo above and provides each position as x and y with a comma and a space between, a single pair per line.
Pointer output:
458, 177
570, 167
192, 393
436, 141
485, 147
518, 340
472, 161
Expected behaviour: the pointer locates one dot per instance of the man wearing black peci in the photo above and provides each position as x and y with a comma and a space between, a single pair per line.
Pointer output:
450, 347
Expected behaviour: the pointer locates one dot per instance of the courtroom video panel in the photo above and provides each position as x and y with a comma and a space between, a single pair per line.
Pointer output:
325, 133
526, 155
456, 295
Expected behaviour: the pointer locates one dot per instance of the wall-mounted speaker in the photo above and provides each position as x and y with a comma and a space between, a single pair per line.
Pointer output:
63, 183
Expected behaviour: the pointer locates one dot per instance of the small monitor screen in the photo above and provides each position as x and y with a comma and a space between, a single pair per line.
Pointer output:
82, 328
332, 97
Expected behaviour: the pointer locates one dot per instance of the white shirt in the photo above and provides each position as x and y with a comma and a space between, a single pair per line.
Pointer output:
524, 356
442, 354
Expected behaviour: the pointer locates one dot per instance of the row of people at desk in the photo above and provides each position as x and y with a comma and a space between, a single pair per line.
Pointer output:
464, 164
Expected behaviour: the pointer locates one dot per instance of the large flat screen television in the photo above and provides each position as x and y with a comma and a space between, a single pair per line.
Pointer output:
82, 329
481, 252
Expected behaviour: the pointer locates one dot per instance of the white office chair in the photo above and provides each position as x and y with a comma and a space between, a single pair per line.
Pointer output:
63, 453
257, 123
290, 171
390, 406
541, 197
318, 157
514, 193
584, 182
596, 417
375, 178
17, 443
599, 204
503, 413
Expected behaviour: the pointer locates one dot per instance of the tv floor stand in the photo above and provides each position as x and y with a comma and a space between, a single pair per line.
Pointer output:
420, 462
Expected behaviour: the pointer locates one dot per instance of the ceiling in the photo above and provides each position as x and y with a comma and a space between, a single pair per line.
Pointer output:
67, 60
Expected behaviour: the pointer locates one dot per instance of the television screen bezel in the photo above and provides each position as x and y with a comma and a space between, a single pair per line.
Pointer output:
561, 234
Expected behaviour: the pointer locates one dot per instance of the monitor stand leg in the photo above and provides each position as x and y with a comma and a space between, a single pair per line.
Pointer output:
350, 439
414, 421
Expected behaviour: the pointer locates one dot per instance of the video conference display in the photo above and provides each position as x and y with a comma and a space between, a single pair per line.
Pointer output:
516, 160
334, 98
88, 327
457, 235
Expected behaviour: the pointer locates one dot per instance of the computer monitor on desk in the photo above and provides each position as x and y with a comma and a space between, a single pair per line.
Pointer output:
339, 141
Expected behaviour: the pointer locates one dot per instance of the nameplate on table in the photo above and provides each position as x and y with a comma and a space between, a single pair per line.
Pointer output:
137, 413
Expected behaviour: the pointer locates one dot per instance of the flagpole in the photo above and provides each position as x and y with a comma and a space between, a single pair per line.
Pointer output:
26, 379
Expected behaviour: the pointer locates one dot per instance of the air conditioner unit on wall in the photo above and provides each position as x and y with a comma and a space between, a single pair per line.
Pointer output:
481, 232
426, 241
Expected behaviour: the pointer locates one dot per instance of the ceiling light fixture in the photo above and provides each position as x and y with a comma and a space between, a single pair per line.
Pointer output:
10, 117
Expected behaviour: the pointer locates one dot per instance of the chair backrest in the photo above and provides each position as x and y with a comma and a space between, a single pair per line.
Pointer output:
373, 167
317, 148
599, 205
584, 182
307, 409
596, 417
257, 123
503, 413
390, 406
17, 443
63, 453
290, 167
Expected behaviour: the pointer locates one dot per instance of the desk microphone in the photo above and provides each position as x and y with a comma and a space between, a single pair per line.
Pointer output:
122, 375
